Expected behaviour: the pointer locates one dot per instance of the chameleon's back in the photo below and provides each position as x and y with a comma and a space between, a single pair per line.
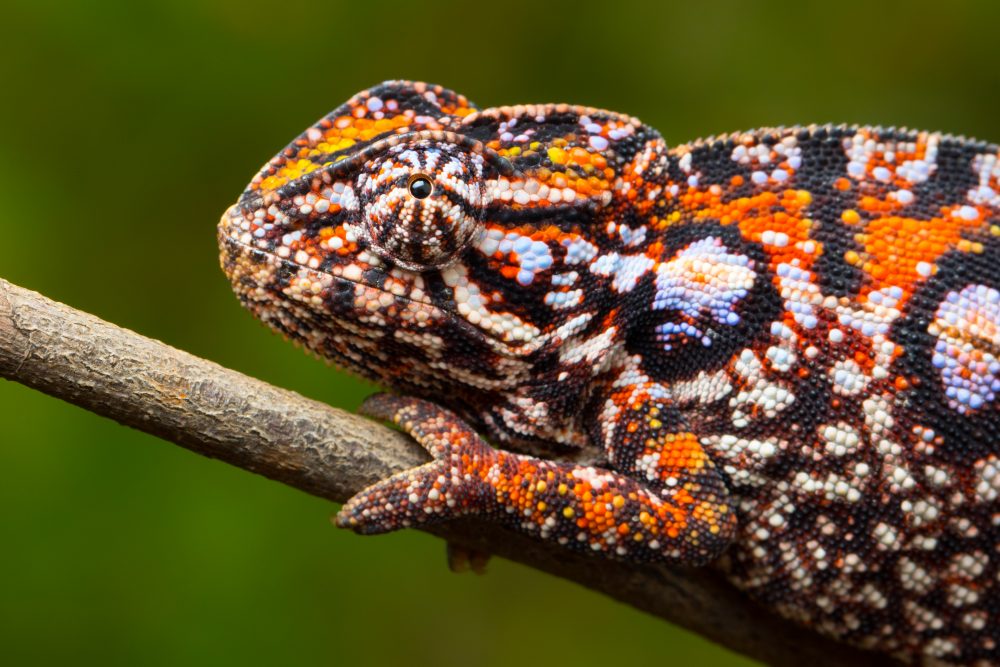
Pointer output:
802, 324
861, 428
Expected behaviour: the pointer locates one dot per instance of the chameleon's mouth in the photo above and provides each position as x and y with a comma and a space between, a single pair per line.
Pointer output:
235, 252
265, 255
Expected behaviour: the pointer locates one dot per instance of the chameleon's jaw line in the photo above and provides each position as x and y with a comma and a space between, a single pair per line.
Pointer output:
433, 311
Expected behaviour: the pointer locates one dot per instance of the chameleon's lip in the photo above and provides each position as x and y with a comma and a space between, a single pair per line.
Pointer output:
433, 310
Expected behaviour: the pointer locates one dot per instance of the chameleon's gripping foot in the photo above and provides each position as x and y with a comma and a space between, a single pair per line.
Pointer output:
580, 507
449, 486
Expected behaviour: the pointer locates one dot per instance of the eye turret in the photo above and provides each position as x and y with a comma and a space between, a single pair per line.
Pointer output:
422, 203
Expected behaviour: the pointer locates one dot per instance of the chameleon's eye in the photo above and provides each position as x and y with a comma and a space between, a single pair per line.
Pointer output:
421, 186
422, 203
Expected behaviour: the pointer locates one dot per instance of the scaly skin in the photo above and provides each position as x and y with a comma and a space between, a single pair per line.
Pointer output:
785, 343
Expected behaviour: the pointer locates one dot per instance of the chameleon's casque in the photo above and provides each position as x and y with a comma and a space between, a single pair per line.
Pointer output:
784, 344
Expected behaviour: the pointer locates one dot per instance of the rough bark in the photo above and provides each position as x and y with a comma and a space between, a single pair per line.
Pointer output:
330, 453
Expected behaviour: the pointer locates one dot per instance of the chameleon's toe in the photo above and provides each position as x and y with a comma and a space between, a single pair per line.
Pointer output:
401, 501
463, 559
442, 489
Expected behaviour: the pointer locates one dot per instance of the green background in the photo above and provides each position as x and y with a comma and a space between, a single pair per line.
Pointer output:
127, 128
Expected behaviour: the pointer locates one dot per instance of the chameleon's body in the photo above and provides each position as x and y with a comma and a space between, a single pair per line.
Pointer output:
783, 345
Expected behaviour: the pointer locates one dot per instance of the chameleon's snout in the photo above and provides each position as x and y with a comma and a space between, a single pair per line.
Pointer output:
227, 234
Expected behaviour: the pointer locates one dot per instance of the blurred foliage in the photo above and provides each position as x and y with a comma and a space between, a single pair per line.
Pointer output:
128, 127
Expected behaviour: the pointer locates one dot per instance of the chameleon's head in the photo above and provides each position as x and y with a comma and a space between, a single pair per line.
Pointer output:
426, 244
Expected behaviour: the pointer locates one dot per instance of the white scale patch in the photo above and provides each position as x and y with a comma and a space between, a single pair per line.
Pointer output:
631, 237
840, 439
860, 150
590, 350
703, 389
565, 279
880, 310
431, 344
531, 256
832, 486
987, 479
775, 163
579, 250
987, 167
848, 378
967, 328
705, 279
743, 459
531, 192
801, 294
472, 305
760, 393
564, 300
625, 269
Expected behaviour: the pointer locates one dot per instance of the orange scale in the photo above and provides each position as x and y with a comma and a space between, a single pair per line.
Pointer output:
879, 272
682, 496
509, 272
782, 218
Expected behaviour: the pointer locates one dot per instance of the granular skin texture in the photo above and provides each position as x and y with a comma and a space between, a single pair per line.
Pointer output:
782, 344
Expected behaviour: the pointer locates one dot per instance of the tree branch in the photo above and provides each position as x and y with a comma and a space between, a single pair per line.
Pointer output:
329, 453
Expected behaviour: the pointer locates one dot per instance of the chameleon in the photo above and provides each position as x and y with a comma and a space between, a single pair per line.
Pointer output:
774, 352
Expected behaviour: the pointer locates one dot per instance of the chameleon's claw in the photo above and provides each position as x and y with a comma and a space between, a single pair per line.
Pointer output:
442, 489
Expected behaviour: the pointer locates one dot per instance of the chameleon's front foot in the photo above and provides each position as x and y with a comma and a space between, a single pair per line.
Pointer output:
580, 507
447, 487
